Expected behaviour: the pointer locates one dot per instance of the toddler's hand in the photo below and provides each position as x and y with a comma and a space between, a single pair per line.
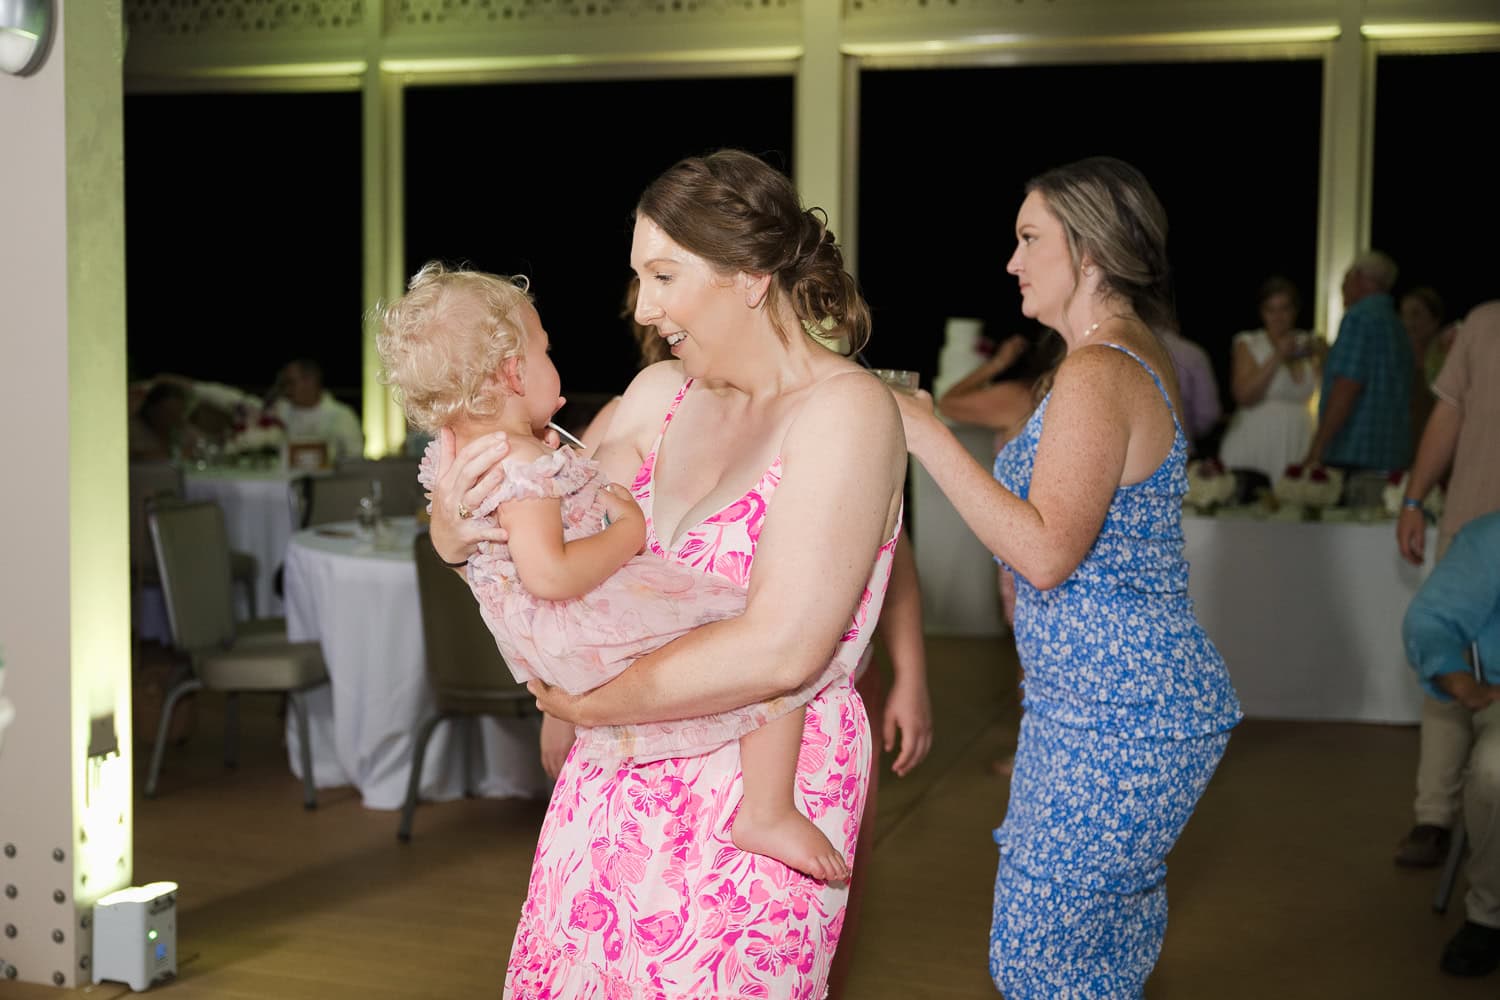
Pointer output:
619, 506
619, 503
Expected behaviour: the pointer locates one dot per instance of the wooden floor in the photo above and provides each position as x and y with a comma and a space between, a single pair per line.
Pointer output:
1282, 885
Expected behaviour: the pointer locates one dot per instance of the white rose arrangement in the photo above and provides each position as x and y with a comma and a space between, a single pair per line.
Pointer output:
1395, 492
1313, 487
262, 437
1210, 485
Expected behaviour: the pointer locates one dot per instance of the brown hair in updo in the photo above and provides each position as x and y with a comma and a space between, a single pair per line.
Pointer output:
1112, 216
740, 214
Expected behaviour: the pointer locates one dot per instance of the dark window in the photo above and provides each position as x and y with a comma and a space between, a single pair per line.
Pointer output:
542, 179
1231, 148
1436, 207
243, 247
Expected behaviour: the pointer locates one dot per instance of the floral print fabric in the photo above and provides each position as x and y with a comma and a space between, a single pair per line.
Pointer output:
1127, 709
581, 642
637, 891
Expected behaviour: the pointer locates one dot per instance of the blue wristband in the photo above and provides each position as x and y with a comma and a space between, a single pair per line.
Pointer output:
1411, 503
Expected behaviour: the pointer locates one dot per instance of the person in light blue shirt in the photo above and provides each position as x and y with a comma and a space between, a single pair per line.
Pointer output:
1456, 610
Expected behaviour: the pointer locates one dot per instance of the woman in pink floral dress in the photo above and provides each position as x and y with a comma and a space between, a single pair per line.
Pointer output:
756, 454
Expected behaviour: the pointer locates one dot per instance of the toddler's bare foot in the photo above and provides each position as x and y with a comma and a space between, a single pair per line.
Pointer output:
792, 839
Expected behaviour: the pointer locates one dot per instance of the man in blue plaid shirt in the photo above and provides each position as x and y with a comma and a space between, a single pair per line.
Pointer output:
1364, 422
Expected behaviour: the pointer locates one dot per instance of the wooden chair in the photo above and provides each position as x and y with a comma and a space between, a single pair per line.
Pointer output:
192, 555
468, 675
1460, 839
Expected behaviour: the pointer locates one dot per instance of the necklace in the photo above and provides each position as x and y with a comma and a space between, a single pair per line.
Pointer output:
1094, 326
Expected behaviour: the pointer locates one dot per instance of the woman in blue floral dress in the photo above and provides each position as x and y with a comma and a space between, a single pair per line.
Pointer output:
1127, 705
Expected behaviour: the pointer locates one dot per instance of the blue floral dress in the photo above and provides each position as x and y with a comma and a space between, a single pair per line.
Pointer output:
1126, 712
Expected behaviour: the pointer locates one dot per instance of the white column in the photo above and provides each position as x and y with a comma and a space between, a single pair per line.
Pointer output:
65, 826
383, 436
1345, 170
819, 110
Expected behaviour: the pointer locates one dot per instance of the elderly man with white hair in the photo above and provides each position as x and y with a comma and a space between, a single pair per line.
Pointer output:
1364, 424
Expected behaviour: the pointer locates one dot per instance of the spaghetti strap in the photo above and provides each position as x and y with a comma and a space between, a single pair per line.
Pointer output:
671, 412
1154, 377
842, 371
676, 402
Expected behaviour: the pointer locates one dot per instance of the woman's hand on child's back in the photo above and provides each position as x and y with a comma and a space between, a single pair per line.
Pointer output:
464, 477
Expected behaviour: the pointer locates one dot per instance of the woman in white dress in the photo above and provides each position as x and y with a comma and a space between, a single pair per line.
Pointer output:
1274, 374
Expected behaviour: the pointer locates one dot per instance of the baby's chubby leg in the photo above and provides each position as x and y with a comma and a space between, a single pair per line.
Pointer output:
768, 822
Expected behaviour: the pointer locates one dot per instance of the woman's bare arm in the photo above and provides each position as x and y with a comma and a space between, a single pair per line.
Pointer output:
908, 707
1080, 462
999, 406
1249, 379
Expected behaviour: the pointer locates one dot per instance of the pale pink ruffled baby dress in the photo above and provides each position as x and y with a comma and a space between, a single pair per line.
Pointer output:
582, 642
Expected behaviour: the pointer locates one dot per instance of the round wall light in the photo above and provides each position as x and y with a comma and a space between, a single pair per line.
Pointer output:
25, 33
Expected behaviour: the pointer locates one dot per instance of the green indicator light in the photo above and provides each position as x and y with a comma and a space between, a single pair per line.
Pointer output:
151, 935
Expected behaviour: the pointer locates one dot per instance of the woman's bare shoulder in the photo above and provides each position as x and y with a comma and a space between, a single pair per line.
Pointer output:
1106, 366
646, 399
849, 408
637, 419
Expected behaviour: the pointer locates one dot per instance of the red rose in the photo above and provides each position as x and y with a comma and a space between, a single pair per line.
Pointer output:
1293, 472
1395, 478
1319, 475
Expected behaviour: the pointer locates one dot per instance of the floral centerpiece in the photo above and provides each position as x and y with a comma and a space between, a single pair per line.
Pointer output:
261, 440
1210, 485
1310, 487
1395, 492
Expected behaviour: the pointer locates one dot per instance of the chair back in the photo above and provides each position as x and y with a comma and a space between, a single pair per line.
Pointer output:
149, 482
334, 497
401, 494
192, 556
464, 666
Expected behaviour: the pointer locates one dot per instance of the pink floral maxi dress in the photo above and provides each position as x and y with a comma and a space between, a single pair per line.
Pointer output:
582, 642
637, 891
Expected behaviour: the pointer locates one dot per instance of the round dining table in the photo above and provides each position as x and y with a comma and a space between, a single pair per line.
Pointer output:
259, 514
356, 594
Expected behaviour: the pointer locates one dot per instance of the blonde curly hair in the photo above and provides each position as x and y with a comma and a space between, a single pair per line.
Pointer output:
441, 341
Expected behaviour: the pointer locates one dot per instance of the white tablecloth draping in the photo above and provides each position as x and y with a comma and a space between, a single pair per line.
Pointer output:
1307, 615
258, 516
361, 603
959, 579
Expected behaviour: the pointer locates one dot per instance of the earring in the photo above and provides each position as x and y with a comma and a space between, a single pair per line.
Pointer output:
1088, 270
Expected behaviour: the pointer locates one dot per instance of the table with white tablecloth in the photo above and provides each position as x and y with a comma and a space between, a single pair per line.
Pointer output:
359, 600
1307, 615
258, 517
959, 580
